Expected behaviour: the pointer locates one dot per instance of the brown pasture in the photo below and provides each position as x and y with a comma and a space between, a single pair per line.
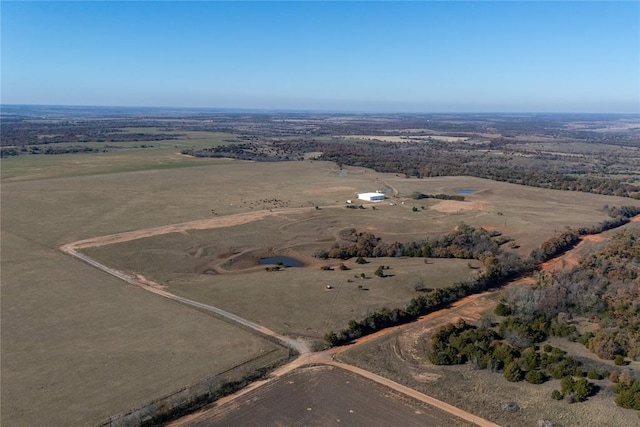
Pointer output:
78, 345
402, 357
324, 395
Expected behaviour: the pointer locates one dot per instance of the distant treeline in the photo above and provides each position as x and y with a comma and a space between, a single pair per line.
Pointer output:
243, 151
54, 149
422, 160
27, 133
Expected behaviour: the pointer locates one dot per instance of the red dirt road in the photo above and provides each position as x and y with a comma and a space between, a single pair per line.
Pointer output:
306, 358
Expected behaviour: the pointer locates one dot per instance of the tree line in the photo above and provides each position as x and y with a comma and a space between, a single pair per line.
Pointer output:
466, 242
500, 267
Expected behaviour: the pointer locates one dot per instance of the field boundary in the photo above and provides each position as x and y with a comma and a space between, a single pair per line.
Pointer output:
439, 404
155, 288
194, 396
201, 394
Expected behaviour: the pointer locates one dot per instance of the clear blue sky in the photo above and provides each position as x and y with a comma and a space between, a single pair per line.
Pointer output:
363, 56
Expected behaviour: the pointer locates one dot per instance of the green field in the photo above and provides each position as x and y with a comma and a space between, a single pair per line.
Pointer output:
126, 157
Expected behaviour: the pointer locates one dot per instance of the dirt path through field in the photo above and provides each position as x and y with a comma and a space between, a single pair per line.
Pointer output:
327, 357
155, 288
203, 224
306, 357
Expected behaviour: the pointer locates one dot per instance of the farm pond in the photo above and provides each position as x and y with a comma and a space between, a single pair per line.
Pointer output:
281, 260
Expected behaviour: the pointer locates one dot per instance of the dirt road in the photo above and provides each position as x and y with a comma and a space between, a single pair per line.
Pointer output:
327, 357
155, 288
203, 224
305, 357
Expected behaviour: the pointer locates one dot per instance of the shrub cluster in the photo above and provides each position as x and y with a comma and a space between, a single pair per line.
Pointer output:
416, 195
485, 348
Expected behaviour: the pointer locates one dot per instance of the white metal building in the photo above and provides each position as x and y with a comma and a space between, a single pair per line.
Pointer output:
372, 197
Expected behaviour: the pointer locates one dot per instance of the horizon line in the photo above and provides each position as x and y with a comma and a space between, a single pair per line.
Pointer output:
309, 111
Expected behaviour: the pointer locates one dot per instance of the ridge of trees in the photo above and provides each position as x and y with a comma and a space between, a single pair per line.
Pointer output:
466, 242
436, 158
604, 288
499, 268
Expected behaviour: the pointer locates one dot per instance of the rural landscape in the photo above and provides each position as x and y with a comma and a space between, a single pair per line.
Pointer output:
193, 267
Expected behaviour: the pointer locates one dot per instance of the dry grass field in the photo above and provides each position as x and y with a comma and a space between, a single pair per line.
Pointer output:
220, 266
78, 345
129, 157
401, 356
200, 265
185, 261
321, 396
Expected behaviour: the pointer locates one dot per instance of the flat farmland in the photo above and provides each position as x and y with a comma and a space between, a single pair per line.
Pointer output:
323, 395
79, 345
126, 156
201, 265
220, 266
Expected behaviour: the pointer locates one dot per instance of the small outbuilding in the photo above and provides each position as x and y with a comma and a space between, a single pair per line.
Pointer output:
372, 197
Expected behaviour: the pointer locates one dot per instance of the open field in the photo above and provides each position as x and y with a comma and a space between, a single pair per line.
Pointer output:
78, 345
220, 266
294, 301
401, 356
128, 156
322, 395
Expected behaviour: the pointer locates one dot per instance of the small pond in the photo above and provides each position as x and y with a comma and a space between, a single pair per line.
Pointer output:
281, 260
466, 191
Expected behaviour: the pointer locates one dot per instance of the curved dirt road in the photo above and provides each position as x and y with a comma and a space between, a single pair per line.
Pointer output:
305, 358
147, 285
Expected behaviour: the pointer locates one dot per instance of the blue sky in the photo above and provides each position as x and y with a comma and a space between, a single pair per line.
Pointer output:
360, 56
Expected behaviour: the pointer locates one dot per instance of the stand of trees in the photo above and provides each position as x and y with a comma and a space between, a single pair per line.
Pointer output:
416, 195
466, 242
487, 349
499, 268
604, 287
